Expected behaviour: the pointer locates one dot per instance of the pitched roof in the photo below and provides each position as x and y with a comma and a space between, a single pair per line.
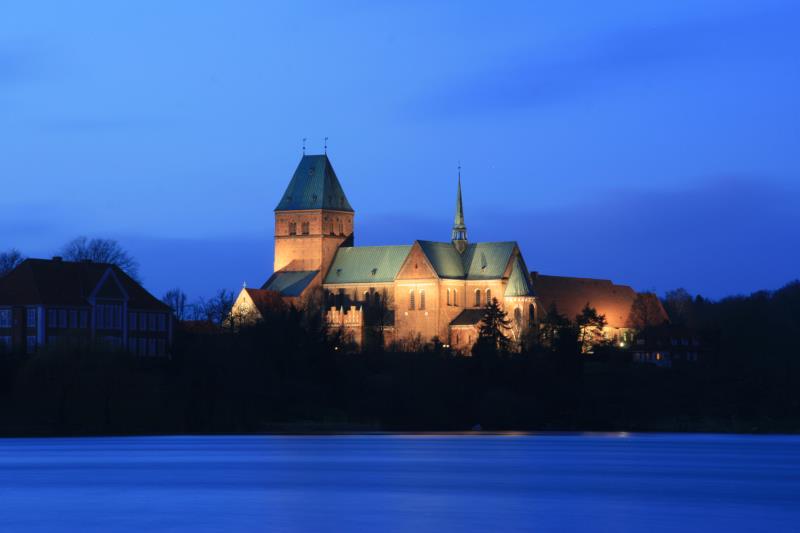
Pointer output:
518, 281
468, 317
487, 260
444, 258
266, 301
314, 185
570, 295
57, 282
289, 283
481, 260
367, 264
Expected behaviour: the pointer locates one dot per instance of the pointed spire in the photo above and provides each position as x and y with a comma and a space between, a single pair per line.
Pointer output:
459, 235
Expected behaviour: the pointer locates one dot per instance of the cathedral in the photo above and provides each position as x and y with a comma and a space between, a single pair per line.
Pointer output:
406, 293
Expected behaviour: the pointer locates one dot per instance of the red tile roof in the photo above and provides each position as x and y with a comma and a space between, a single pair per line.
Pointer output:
570, 295
57, 282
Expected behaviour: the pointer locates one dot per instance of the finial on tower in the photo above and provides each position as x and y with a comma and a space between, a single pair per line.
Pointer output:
326, 145
304, 146
459, 235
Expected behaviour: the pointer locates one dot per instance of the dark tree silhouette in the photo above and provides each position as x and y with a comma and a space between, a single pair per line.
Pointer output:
678, 305
101, 251
551, 326
645, 311
10, 260
176, 300
492, 334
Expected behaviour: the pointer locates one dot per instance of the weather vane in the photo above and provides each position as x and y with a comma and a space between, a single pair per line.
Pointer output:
326, 145
304, 146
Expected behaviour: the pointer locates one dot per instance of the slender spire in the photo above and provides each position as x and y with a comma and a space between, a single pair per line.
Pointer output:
459, 235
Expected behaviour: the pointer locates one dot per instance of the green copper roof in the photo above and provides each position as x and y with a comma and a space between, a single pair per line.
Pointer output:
482, 260
445, 259
290, 283
367, 264
518, 282
487, 260
314, 186
459, 219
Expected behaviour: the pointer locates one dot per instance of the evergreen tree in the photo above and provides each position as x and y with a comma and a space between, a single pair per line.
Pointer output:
492, 334
590, 326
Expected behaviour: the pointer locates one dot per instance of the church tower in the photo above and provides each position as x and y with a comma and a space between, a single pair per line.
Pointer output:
459, 235
313, 218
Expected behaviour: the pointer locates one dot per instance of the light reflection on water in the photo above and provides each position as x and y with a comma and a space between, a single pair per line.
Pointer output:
431, 482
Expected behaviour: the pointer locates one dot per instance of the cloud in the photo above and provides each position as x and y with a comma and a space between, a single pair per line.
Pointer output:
529, 79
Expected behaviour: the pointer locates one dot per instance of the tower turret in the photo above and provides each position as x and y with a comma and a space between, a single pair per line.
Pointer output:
313, 218
459, 236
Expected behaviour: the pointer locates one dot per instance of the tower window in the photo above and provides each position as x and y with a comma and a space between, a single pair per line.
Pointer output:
411, 301
448, 297
488, 296
477, 297
305, 228
422, 299
292, 228
455, 297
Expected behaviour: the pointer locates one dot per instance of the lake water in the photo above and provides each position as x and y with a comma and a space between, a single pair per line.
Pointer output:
411, 483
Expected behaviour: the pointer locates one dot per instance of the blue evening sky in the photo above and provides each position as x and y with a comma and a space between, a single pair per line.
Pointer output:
654, 143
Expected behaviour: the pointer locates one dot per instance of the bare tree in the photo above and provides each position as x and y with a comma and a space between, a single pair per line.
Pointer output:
10, 260
176, 300
101, 251
217, 309
645, 311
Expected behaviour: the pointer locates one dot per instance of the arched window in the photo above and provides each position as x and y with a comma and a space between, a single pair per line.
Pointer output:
455, 297
377, 296
305, 228
422, 299
517, 316
531, 315
448, 297
477, 297
292, 228
411, 303
488, 296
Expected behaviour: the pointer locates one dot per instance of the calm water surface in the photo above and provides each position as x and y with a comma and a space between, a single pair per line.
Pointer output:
402, 483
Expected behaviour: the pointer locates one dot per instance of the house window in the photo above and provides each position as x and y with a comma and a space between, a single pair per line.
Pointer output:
142, 321
448, 297
30, 344
422, 299
477, 297
488, 296
304, 227
292, 228
411, 301
151, 322
132, 321
5, 318
31, 317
